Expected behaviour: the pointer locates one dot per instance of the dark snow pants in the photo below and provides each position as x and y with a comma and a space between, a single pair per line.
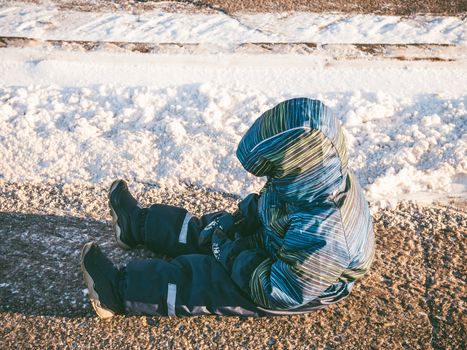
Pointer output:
193, 282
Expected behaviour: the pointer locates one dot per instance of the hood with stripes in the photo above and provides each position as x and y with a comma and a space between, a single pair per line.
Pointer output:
301, 149
315, 221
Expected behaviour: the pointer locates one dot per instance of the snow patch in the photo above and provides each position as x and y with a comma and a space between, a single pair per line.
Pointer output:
399, 148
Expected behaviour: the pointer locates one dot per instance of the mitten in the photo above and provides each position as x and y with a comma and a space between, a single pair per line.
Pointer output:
223, 223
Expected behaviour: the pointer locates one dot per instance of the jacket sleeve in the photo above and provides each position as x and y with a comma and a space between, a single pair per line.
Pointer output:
313, 257
246, 217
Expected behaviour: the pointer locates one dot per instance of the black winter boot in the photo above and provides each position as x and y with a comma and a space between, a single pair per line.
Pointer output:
102, 279
126, 215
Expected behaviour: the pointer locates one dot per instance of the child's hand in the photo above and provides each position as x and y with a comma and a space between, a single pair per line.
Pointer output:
246, 216
223, 223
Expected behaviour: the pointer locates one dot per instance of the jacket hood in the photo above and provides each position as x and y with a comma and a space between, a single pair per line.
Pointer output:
298, 145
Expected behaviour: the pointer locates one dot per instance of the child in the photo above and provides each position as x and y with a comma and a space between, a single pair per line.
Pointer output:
297, 246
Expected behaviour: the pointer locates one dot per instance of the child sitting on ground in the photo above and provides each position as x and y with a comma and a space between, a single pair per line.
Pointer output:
298, 245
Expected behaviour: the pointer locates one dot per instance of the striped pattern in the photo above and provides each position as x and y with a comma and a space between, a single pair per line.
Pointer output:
316, 222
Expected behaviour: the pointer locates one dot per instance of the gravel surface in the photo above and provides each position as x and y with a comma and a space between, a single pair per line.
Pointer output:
412, 298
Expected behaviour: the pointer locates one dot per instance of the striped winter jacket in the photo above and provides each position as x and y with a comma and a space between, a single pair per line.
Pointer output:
315, 223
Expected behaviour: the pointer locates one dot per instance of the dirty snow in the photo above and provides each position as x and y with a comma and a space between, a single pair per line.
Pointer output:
220, 29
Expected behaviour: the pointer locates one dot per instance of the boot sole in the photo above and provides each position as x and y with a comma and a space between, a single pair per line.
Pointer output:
116, 228
101, 311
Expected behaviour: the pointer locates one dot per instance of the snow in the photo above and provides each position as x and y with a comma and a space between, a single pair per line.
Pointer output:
188, 134
274, 74
220, 29
175, 119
